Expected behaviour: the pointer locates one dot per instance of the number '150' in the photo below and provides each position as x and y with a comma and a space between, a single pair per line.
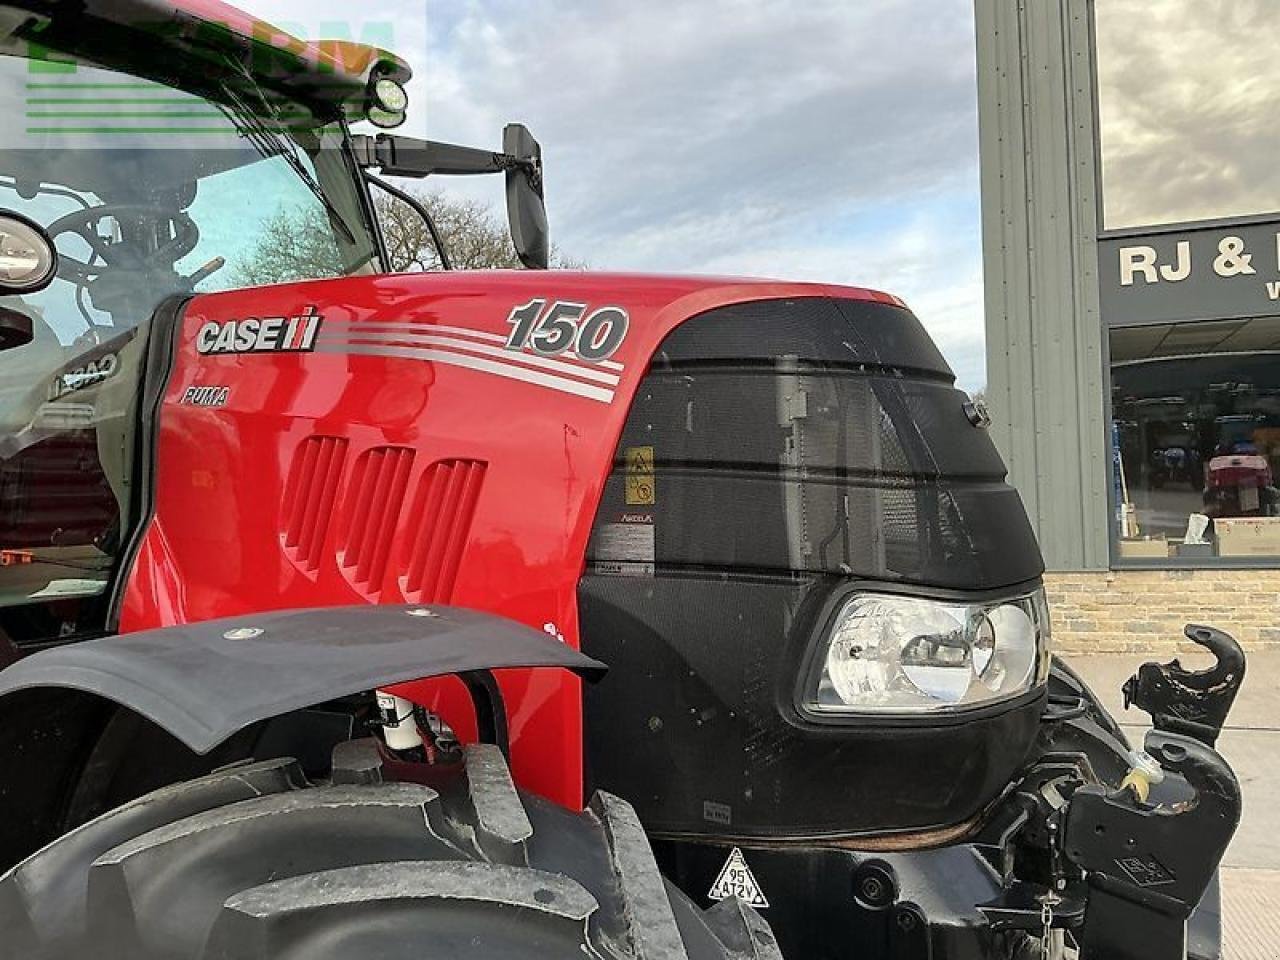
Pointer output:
565, 326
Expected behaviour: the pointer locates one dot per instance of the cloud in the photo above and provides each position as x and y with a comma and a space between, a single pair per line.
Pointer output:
1188, 99
829, 140
922, 251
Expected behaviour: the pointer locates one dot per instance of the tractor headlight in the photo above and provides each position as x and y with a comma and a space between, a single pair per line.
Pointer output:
888, 654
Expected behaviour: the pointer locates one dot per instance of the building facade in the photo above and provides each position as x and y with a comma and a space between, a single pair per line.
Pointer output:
1131, 241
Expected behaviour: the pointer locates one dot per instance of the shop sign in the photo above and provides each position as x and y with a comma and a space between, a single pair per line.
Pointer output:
1209, 273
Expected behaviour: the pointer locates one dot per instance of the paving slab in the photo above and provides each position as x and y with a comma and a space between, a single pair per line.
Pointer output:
1250, 920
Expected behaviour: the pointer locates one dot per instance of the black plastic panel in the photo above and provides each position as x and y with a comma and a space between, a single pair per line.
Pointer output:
854, 332
810, 435
696, 726
776, 452
962, 538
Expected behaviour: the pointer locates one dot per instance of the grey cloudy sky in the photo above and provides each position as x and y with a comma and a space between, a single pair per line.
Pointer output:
1188, 99
831, 140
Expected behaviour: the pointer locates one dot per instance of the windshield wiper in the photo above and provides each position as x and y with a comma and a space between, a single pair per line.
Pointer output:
271, 143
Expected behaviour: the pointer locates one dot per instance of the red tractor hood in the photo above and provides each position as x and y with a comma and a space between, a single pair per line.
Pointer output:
399, 439
273, 386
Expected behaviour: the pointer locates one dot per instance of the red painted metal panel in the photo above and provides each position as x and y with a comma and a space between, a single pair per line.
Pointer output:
371, 514
441, 520
409, 373
309, 499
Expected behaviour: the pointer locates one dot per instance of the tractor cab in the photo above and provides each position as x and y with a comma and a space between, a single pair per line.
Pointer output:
164, 155
157, 174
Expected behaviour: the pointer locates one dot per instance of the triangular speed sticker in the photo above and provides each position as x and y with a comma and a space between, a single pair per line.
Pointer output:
736, 880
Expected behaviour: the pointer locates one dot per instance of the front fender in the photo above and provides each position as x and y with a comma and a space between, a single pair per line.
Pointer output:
204, 682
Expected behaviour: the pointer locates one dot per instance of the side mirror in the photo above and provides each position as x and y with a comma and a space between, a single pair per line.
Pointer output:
521, 161
28, 259
526, 207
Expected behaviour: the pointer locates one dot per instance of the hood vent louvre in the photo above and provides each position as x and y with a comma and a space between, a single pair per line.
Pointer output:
371, 511
309, 498
439, 526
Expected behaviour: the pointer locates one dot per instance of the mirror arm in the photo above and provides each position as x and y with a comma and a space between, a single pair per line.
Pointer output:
520, 161
410, 157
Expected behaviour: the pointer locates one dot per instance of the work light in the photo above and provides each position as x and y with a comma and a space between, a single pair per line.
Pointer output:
388, 103
888, 653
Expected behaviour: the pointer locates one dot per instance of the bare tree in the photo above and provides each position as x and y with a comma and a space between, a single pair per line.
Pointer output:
293, 245
297, 245
474, 236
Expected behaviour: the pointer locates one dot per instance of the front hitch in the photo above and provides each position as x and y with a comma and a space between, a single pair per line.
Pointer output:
1147, 865
1190, 702
1122, 874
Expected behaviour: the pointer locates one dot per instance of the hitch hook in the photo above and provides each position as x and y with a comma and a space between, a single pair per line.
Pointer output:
1148, 866
1194, 703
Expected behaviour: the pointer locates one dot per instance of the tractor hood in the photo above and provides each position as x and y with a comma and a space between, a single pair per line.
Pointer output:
308, 406
686, 467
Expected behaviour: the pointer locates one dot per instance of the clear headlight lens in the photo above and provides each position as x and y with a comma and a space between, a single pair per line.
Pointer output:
894, 654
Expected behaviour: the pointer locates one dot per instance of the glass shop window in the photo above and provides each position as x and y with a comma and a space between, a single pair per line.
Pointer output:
1188, 93
1195, 441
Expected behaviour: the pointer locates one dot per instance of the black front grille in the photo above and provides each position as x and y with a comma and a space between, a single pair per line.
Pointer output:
812, 435
774, 452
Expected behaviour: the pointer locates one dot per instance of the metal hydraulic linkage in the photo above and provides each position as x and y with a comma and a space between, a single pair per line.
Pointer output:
1189, 702
1148, 865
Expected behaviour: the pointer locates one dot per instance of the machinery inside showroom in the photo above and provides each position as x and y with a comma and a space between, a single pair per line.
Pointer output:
1132, 249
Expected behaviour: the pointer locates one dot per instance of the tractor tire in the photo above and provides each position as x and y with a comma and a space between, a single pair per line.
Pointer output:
252, 862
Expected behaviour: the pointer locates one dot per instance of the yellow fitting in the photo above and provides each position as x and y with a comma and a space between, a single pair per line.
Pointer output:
1138, 780
1144, 770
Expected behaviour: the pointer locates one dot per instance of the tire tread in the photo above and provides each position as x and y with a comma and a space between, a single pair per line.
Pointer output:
248, 863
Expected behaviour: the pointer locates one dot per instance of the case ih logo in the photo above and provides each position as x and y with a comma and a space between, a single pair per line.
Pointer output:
261, 335
86, 375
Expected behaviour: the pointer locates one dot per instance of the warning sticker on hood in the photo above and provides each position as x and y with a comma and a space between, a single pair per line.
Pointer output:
736, 880
626, 546
640, 490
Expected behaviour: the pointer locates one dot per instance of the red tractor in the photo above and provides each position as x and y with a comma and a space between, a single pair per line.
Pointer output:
307, 587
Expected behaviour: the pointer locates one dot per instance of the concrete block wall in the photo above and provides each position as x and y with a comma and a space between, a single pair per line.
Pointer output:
1141, 611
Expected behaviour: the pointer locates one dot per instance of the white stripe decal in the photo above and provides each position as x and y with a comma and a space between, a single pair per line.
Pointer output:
451, 358
368, 325
607, 364
502, 353
378, 326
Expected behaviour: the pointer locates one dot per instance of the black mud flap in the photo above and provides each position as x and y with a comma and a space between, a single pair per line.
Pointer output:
204, 682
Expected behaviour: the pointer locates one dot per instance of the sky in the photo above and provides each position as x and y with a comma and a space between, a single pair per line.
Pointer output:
829, 141
1188, 108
